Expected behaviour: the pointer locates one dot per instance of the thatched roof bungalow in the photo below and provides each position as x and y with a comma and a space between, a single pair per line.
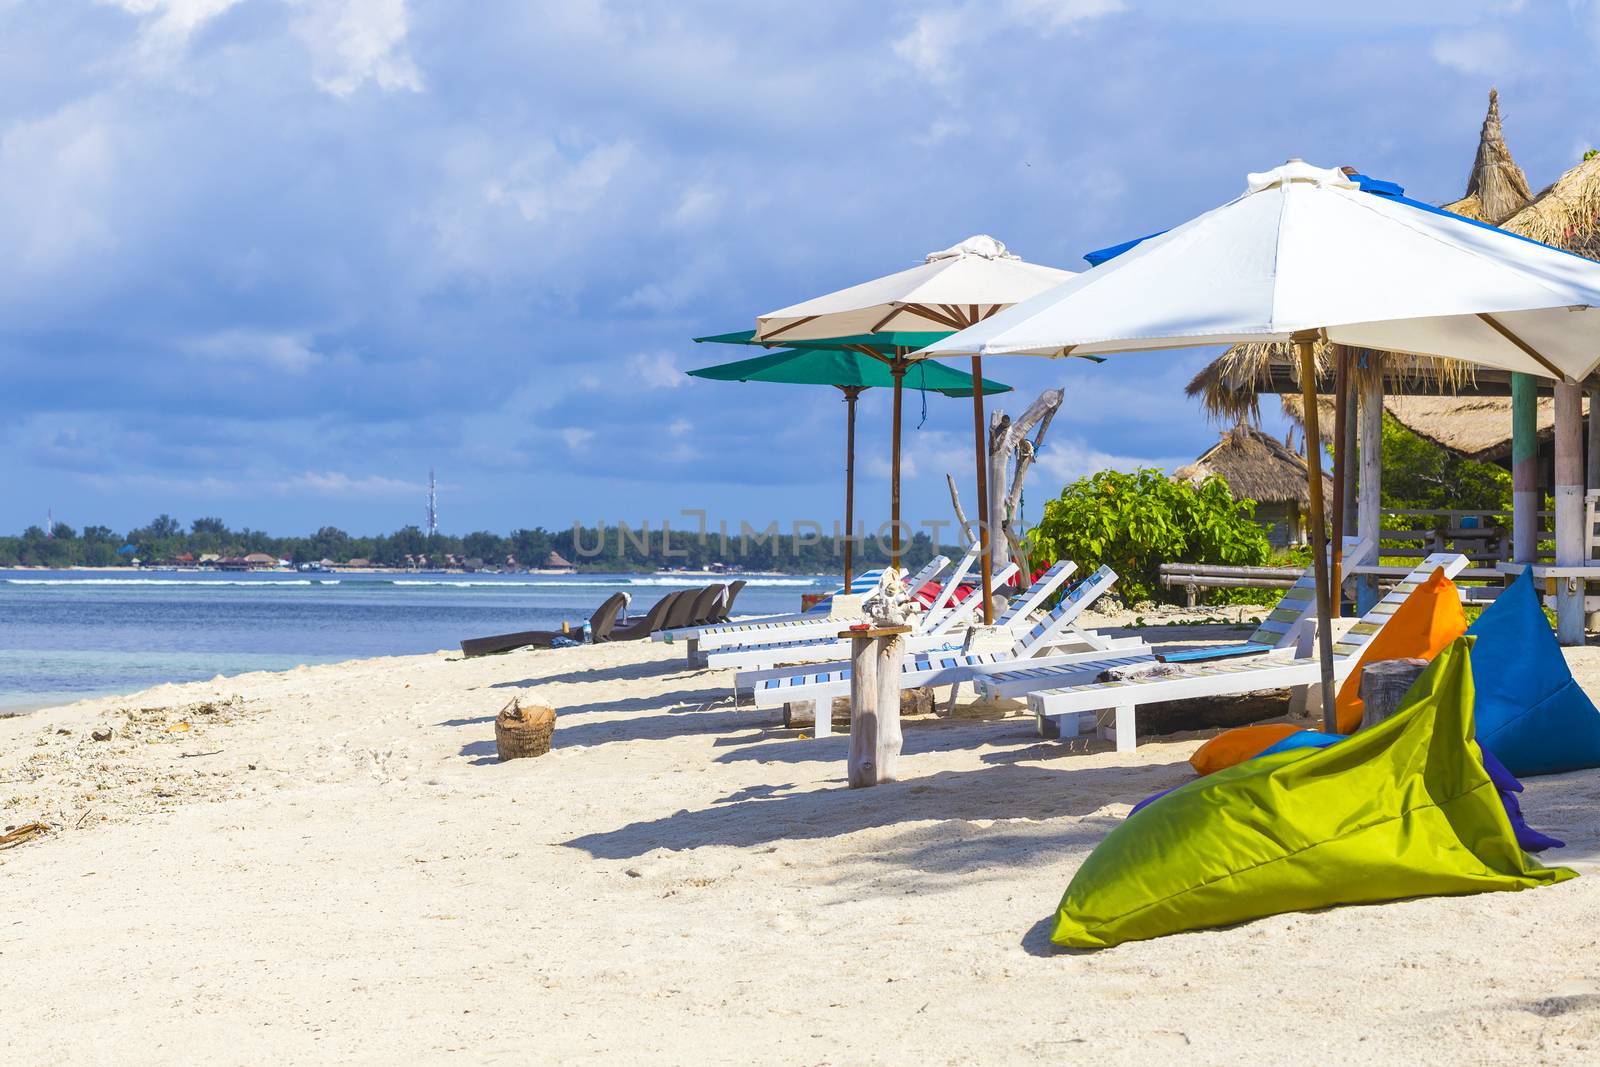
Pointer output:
1262, 468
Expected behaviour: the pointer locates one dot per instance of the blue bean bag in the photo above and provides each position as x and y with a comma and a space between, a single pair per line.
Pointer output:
1531, 713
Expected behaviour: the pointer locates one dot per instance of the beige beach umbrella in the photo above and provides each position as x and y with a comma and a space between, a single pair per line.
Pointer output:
1306, 254
950, 290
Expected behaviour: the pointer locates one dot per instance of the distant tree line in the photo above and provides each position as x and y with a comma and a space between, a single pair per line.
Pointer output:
612, 548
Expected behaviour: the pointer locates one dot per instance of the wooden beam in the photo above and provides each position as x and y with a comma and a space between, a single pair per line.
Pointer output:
1525, 492
1319, 554
1523, 346
980, 449
1369, 500
1571, 545
1341, 467
785, 328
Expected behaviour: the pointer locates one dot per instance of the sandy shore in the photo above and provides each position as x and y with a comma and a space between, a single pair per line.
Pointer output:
329, 864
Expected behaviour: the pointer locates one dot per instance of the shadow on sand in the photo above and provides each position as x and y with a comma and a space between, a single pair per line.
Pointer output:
949, 800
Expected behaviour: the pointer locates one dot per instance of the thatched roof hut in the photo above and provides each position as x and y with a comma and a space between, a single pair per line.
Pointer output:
1496, 188
1262, 468
555, 561
1473, 427
1254, 464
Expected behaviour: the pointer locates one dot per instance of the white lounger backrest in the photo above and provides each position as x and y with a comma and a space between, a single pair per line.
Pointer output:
961, 614
1278, 629
1045, 632
1352, 643
1030, 598
953, 582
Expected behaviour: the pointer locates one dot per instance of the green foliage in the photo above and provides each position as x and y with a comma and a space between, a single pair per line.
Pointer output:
1136, 522
1419, 474
610, 549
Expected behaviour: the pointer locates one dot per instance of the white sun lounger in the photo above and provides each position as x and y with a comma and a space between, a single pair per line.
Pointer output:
822, 625
952, 666
1081, 700
1278, 630
933, 628
813, 623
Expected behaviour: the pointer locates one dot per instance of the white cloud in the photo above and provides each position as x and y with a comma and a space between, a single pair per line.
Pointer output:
545, 183
576, 438
939, 41
336, 483
655, 370
253, 349
1069, 460
353, 42
1488, 52
58, 172
168, 24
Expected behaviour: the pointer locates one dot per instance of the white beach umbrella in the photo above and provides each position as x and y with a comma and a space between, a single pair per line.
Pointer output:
1304, 253
952, 289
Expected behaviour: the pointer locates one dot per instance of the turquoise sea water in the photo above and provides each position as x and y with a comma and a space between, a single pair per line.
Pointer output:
65, 635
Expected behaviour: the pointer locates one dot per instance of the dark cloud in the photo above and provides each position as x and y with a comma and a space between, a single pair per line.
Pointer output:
276, 260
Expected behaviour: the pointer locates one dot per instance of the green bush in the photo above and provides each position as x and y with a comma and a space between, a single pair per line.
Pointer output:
1136, 522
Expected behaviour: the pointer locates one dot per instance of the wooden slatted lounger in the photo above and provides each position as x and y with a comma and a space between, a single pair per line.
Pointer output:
951, 667
1079, 698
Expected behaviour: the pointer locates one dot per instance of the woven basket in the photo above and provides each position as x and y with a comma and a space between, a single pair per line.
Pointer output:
523, 729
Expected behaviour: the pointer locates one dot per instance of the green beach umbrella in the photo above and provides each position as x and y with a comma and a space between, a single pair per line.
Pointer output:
849, 370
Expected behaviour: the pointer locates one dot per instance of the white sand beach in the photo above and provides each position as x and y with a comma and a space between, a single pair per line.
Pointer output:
330, 864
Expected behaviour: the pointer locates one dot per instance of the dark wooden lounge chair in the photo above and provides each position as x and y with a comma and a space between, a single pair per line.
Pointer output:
652, 620
707, 605
727, 604
601, 624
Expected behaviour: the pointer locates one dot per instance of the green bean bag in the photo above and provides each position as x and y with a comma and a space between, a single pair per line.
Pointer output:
1403, 809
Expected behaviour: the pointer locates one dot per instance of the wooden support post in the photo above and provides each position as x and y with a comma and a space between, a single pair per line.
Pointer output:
898, 370
1341, 470
1384, 684
1524, 469
850, 395
1369, 505
1319, 532
1571, 547
876, 656
1591, 469
981, 452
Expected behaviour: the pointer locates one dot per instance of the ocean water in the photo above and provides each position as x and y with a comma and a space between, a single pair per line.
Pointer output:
66, 635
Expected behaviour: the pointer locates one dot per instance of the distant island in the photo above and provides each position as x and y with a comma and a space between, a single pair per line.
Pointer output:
209, 544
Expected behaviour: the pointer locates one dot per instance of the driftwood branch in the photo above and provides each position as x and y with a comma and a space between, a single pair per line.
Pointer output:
961, 516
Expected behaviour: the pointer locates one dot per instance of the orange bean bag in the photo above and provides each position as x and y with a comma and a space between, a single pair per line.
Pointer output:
1422, 626
1239, 744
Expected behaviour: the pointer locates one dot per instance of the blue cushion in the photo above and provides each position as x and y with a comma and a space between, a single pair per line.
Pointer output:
1303, 739
1200, 655
1530, 711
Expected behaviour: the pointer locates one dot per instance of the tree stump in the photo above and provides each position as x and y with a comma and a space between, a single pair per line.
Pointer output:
876, 656
1384, 685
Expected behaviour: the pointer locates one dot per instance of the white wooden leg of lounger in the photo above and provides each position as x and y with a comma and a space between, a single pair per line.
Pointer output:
1123, 732
955, 691
824, 719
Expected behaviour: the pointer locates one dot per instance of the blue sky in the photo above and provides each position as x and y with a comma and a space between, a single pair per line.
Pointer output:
273, 259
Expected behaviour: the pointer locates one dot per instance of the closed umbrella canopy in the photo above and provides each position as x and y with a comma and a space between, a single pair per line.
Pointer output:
820, 366
1305, 249
1306, 253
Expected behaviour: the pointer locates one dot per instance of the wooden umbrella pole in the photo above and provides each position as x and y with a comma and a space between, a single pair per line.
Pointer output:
898, 369
1341, 470
1319, 553
850, 394
980, 449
